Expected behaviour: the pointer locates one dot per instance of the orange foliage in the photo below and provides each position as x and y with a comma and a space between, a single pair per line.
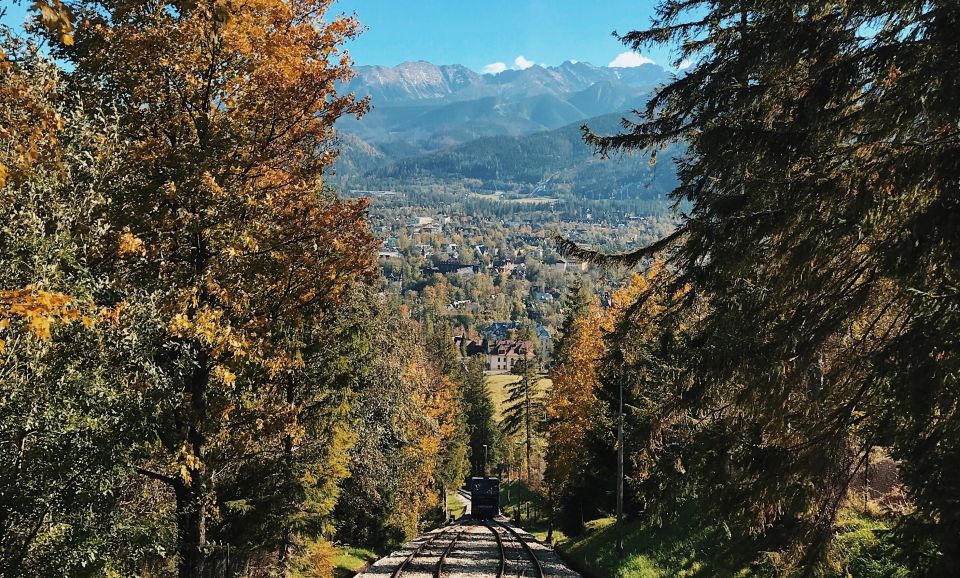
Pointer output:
38, 310
230, 107
573, 407
428, 425
56, 18
28, 121
572, 403
640, 302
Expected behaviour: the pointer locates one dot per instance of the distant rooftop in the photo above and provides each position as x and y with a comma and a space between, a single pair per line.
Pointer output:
501, 329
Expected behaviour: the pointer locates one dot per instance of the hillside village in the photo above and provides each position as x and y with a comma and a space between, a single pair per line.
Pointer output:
481, 270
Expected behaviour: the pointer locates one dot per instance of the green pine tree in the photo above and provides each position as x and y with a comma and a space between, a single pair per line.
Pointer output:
820, 253
481, 418
525, 409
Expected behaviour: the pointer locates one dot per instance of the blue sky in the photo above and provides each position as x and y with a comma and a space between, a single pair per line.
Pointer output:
479, 33
491, 34
13, 13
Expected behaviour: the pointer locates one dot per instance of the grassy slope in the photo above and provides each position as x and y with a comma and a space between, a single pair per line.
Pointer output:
498, 384
681, 550
352, 560
686, 548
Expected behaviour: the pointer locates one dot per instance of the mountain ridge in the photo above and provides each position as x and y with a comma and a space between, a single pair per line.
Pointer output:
424, 82
555, 163
517, 131
435, 106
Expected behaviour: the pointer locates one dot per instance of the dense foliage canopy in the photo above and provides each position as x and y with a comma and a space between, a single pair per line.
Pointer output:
190, 355
811, 288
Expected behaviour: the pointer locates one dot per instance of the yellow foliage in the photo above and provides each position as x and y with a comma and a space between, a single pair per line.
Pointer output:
40, 326
57, 18
224, 375
572, 402
188, 462
130, 244
211, 185
316, 559
573, 405
233, 242
185, 474
29, 121
38, 309
111, 315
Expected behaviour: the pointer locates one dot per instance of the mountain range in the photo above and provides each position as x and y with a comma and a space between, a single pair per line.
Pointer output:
517, 131
436, 106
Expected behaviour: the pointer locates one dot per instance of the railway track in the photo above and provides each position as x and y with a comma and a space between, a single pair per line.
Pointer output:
527, 560
502, 563
427, 549
512, 557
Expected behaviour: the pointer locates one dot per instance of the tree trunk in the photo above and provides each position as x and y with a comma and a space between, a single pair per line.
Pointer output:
191, 494
446, 508
191, 531
285, 554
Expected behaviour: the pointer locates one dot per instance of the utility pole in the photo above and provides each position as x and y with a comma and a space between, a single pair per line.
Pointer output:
528, 417
484, 460
518, 479
620, 477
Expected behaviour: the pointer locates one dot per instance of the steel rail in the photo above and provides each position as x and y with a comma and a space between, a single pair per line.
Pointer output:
502, 567
438, 570
533, 557
399, 569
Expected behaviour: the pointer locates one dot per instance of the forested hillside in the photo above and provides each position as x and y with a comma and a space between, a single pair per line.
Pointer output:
554, 163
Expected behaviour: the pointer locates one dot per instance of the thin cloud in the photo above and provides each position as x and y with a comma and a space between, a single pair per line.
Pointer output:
685, 64
494, 68
522, 63
629, 59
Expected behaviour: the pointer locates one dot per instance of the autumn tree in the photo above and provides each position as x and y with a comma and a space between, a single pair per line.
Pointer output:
643, 348
66, 415
573, 407
219, 220
31, 121
404, 421
819, 250
481, 417
450, 375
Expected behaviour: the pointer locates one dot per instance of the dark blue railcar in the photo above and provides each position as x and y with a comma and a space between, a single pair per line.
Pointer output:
484, 497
